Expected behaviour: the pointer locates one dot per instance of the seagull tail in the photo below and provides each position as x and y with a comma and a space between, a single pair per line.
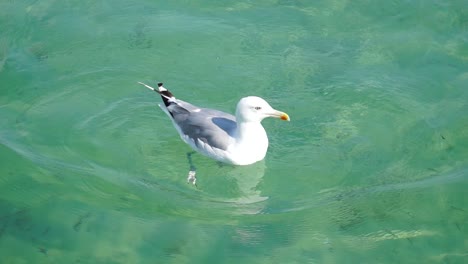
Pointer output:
166, 95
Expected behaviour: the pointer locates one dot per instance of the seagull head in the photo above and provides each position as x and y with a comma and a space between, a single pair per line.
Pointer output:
255, 109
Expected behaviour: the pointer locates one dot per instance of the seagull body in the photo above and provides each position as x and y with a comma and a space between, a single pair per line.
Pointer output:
238, 140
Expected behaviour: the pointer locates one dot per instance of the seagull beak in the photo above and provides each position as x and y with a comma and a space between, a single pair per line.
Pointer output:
280, 115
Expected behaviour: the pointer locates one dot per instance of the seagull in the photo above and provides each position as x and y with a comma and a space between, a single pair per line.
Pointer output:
237, 140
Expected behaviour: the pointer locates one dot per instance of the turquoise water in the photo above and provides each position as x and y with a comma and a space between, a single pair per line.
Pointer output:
372, 168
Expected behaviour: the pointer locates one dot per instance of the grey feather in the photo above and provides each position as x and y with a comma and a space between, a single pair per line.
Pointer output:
210, 126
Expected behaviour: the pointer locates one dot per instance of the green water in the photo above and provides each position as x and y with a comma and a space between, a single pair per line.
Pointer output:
372, 168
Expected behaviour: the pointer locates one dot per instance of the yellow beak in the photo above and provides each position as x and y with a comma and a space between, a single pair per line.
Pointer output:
280, 115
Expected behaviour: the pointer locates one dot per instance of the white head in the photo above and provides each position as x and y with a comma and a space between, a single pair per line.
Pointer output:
255, 109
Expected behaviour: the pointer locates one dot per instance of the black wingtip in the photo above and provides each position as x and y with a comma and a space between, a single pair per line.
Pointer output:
160, 84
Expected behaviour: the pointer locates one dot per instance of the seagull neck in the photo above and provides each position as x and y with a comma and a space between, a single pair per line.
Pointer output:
249, 131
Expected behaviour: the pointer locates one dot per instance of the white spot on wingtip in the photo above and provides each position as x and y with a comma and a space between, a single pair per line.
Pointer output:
147, 86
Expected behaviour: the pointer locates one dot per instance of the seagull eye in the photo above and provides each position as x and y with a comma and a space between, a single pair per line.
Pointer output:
257, 108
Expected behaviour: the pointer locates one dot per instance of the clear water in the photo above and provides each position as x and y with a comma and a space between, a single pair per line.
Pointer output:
373, 167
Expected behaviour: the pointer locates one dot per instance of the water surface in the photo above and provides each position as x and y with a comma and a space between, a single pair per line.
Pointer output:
372, 168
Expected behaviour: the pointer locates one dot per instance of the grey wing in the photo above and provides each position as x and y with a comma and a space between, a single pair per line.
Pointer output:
210, 126
179, 109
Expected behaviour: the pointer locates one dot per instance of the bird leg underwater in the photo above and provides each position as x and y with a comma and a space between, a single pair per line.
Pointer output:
191, 178
193, 170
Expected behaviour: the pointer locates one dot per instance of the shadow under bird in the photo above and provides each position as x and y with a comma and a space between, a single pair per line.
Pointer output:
237, 140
